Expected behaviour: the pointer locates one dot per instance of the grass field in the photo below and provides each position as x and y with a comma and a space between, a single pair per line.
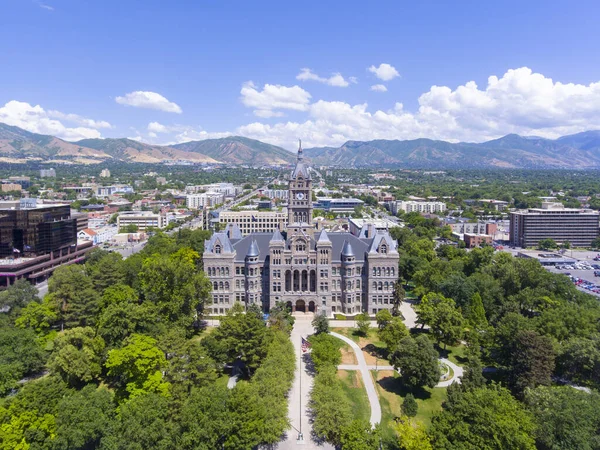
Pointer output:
354, 389
391, 395
371, 346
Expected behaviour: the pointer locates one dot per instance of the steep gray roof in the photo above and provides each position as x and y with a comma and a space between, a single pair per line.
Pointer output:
323, 237
209, 245
347, 249
277, 236
391, 243
233, 231
253, 249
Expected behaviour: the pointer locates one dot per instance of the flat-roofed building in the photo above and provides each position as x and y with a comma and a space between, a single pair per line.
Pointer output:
338, 205
476, 240
142, 219
554, 221
8, 187
417, 206
255, 221
206, 199
360, 227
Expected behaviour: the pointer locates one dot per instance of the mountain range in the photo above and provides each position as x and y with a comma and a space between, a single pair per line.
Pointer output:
577, 151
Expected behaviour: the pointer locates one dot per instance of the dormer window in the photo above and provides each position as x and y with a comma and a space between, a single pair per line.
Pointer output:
383, 249
218, 249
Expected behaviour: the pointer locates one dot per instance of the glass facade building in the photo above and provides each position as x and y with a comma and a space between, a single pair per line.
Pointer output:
36, 231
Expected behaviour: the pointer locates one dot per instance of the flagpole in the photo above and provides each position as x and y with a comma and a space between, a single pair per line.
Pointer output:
300, 436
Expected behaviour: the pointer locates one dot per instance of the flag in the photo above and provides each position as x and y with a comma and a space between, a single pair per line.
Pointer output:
305, 345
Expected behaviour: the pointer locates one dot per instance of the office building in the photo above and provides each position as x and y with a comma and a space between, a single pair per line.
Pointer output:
338, 205
105, 173
142, 219
359, 227
577, 226
204, 200
308, 270
255, 221
9, 187
476, 240
417, 206
35, 240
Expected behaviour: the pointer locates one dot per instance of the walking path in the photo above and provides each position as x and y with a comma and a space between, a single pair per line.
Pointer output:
367, 380
298, 405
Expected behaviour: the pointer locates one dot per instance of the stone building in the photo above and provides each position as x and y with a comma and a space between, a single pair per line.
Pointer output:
309, 270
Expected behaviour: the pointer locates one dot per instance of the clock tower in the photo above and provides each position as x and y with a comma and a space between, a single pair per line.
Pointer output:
300, 208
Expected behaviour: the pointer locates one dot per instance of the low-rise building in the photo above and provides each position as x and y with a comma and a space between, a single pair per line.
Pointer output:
255, 221
142, 219
105, 173
358, 227
417, 206
337, 205
476, 240
51, 173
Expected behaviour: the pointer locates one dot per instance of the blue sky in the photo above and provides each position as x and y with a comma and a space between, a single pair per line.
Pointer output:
166, 72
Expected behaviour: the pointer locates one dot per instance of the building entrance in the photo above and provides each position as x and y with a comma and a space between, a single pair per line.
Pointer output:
300, 306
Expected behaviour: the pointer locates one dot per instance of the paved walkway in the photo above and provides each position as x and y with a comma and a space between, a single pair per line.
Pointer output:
298, 405
367, 380
458, 372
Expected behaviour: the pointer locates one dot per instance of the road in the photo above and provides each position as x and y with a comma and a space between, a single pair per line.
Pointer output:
300, 393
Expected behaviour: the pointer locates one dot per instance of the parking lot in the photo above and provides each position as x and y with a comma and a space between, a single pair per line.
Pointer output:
583, 278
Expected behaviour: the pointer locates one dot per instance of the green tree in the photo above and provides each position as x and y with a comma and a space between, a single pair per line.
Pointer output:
77, 356
131, 228
18, 296
175, 285
329, 405
84, 418
325, 351
547, 244
20, 355
74, 291
360, 436
383, 317
398, 298
441, 314
476, 312
579, 360
566, 418
143, 423
411, 434
417, 361
137, 367
363, 322
392, 333
280, 317
320, 323
532, 361
409, 406
239, 335
596, 243
188, 364
39, 316
486, 419
107, 271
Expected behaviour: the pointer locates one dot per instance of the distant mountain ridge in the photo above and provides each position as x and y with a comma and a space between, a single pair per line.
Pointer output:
18, 145
577, 151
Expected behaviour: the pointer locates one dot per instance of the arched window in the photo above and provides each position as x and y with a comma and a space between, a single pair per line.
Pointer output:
380, 286
387, 272
383, 249
379, 271
227, 285
215, 286
227, 271
217, 249
374, 271
221, 285
374, 285
393, 271
385, 286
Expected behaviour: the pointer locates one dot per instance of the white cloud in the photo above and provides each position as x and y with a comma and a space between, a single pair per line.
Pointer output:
335, 79
149, 100
44, 6
152, 134
379, 88
384, 72
157, 127
36, 120
520, 102
79, 120
267, 113
273, 97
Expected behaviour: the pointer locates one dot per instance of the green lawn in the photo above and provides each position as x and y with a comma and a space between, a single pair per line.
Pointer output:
355, 391
371, 345
391, 395
455, 353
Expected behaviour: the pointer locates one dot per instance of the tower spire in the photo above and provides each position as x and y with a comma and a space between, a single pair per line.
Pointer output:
300, 156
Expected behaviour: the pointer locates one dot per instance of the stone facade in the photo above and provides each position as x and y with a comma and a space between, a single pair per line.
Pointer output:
308, 270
